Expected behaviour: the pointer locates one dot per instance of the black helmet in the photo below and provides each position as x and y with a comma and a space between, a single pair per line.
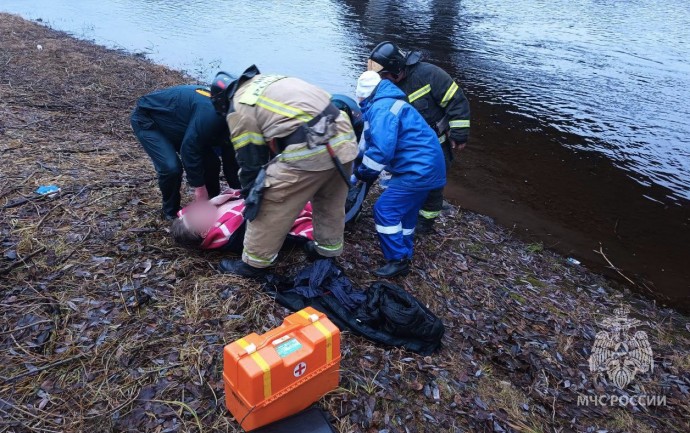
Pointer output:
351, 108
219, 91
387, 57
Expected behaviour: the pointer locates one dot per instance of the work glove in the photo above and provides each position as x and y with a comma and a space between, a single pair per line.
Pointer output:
366, 175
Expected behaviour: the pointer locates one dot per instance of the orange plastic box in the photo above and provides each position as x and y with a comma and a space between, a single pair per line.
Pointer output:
271, 376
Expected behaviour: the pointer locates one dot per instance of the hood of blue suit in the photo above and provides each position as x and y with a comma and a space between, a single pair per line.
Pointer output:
402, 141
385, 89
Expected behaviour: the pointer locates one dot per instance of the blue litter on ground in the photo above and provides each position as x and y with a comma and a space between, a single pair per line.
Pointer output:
47, 189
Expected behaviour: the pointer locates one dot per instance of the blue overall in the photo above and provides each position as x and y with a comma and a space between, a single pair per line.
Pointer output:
399, 140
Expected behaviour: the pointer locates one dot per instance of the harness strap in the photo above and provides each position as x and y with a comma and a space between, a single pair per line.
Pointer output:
300, 135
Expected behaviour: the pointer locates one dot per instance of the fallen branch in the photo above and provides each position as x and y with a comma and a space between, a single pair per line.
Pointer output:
43, 368
25, 327
97, 149
20, 262
615, 268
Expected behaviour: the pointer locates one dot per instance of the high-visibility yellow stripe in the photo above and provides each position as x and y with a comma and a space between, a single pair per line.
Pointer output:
329, 339
459, 123
283, 109
326, 333
449, 94
335, 247
303, 153
257, 87
419, 93
203, 92
261, 260
247, 138
263, 365
429, 214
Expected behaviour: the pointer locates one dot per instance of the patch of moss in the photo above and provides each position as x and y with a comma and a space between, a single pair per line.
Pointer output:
535, 247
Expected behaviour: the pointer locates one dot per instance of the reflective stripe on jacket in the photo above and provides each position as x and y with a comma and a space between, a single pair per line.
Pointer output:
439, 99
399, 140
274, 108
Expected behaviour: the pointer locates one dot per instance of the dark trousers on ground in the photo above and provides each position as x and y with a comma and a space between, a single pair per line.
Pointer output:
434, 203
395, 215
164, 155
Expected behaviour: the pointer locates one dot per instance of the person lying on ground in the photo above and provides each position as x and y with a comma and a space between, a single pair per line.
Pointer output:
181, 120
219, 224
293, 146
399, 140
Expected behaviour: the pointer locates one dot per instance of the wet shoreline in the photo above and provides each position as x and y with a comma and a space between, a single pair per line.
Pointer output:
527, 176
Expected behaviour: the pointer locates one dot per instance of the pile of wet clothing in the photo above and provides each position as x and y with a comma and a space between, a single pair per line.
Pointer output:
384, 313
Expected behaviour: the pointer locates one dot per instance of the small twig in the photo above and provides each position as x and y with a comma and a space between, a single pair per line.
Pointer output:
20, 262
182, 406
97, 149
481, 259
45, 167
45, 367
601, 253
25, 326
12, 148
28, 124
40, 222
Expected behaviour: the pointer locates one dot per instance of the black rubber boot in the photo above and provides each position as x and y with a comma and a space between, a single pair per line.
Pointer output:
168, 218
425, 226
393, 268
238, 267
312, 253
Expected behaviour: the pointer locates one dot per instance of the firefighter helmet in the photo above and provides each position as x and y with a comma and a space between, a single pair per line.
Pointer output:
219, 91
351, 108
387, 57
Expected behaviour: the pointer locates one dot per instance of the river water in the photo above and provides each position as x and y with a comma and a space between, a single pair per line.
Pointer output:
580, 133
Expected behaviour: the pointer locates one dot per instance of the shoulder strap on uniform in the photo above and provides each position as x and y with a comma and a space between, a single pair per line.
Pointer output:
257, 88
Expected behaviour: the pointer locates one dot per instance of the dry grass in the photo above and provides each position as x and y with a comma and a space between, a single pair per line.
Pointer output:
108, 327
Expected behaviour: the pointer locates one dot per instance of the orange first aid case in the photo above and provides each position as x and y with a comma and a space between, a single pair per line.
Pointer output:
271, 376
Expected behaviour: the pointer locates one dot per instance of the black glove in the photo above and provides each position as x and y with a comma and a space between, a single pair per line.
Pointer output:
366, 175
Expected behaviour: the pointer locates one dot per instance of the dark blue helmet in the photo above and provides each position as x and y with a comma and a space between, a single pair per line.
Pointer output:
351, 108
219, 92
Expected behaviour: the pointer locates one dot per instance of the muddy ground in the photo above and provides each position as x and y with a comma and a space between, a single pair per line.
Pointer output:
107, 326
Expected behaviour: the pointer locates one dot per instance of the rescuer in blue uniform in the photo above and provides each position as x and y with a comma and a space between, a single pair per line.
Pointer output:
437, 97
399, 140
182, 120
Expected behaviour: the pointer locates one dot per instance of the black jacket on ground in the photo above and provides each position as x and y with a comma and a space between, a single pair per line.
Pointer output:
388, 315
439, 99
185, 115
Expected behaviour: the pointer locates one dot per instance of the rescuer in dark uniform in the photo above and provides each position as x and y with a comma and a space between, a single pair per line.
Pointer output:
181, 120
440, 101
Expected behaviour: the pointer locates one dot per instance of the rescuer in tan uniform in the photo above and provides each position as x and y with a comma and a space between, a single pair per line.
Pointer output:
292, 146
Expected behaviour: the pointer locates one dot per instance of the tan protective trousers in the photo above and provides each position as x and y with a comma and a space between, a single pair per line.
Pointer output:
287, 192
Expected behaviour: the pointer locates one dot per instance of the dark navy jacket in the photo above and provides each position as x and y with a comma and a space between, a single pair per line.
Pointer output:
185, 115
399, 140
439, 99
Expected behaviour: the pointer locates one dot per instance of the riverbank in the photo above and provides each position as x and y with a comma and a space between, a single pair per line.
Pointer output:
107, 326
